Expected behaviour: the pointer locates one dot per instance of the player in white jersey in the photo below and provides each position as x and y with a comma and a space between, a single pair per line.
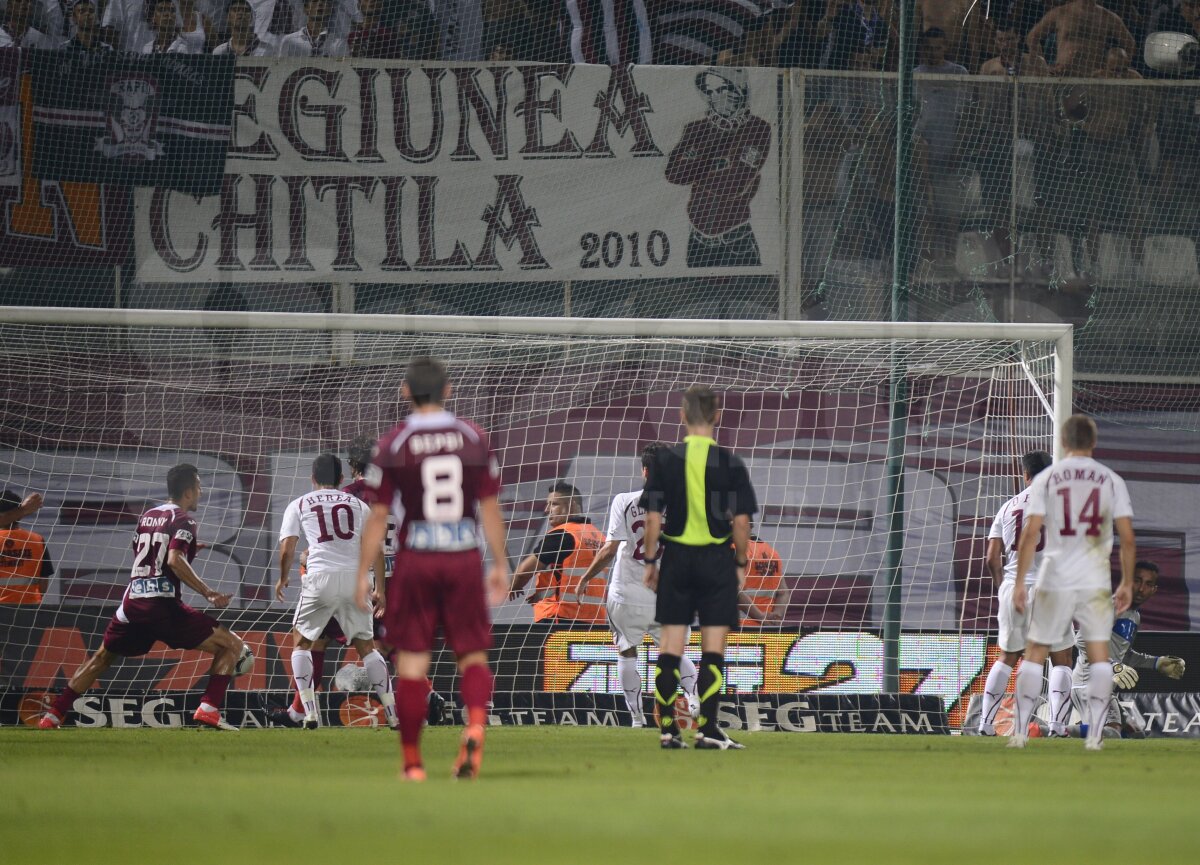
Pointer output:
1080, 502
1013, 627
630, 605
332, 522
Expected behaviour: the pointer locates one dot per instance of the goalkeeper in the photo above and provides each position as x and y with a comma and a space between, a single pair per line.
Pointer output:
1126, 661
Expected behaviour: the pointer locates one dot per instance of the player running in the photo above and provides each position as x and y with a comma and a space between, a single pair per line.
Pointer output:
630, 605
332, 522
1013, 627
151, 611
1080, 502
435, 472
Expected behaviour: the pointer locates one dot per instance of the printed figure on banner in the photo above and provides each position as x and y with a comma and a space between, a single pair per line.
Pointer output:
132, 112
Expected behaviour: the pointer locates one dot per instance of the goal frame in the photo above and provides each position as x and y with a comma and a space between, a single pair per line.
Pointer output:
1061, 335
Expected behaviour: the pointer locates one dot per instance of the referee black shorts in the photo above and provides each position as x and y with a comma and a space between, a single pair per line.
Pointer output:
697, 580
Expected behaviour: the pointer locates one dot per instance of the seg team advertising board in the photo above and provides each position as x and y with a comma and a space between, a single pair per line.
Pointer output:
369, 171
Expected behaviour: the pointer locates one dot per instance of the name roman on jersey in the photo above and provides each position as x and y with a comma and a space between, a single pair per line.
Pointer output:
153, 522
1063, 476
428, 443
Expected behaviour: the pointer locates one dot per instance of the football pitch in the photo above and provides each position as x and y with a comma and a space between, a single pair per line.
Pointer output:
553, 794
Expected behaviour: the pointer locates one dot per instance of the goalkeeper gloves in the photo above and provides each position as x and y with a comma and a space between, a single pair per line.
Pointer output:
1125, 677
1171, 666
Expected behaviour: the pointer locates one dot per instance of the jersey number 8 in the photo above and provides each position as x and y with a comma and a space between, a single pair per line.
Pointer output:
441, 479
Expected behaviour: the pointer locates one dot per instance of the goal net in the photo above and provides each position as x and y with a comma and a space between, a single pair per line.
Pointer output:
99, 404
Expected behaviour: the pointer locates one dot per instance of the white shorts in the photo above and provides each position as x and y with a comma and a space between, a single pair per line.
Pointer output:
632, 624
324, 596
1013, 627
1092, 610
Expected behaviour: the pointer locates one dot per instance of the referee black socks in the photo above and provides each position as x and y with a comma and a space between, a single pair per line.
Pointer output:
712, 680
666, 683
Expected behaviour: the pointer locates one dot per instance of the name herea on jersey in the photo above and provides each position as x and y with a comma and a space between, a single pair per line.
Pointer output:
428, 443
1061, 476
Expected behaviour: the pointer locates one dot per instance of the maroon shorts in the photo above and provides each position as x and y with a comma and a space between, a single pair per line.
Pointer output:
431, 589
158, 620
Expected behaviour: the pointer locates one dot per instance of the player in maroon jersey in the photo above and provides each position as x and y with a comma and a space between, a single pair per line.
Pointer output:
435, 472
151, 610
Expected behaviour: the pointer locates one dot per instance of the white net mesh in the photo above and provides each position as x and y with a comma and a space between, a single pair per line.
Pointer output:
94, 416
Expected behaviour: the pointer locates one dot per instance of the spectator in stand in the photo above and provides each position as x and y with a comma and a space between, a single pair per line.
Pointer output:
243, 41
1083, 31
1182, 16
129, 24
517, 29
314, 38
796, 43
994, 147
964, 23
852, 28
18, 31
1178, 127
390, 31
87, 32
166, 38
25, 567
941, 106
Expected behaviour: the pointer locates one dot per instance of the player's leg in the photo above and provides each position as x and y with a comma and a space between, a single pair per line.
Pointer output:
629, 629
689, 678
84, 678
412, 668
1060, 686
317, 650
1094, 614
226, 648
302, 675
998, 678
717, 607
316, 606
1028, 691
466, 621
475, 687
1011, 633
666, 680
377, 675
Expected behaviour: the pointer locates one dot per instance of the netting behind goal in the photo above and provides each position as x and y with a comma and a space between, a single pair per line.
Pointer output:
93, 416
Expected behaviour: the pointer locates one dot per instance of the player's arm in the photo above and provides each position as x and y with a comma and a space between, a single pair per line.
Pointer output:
522, 575
1123, 596
492, 518
29, 505
177, 561
604, 557
651, 549
1026, 550
371, 553
995, 559
287, 555
741, 546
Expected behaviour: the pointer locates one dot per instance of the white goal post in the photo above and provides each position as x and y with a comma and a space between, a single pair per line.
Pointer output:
100, 402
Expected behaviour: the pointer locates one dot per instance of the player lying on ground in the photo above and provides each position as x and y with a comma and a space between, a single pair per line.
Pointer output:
332, 522
1117, 721
697, 496
629, 604
1012, 626
436, 473
151, 611
1080, 502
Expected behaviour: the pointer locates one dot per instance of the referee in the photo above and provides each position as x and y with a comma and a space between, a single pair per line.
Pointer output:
705, 492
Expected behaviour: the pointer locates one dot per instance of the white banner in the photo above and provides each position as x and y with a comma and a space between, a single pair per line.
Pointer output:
368, 171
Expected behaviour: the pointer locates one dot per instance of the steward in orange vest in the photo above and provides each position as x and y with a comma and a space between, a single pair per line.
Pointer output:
25, 566
762, 599
560, 561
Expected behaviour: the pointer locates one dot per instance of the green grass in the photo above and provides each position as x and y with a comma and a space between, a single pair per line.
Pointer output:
589, 795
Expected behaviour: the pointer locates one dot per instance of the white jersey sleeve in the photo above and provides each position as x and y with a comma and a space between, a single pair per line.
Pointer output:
1008, 525
291, 522
997, 529
1122, 506
618, 529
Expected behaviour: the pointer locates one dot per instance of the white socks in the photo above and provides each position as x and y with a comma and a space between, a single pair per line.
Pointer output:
381, 683
1028, 692
302, 673
1060, 699
993, 693
687, 675
631, 684
1099, 692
